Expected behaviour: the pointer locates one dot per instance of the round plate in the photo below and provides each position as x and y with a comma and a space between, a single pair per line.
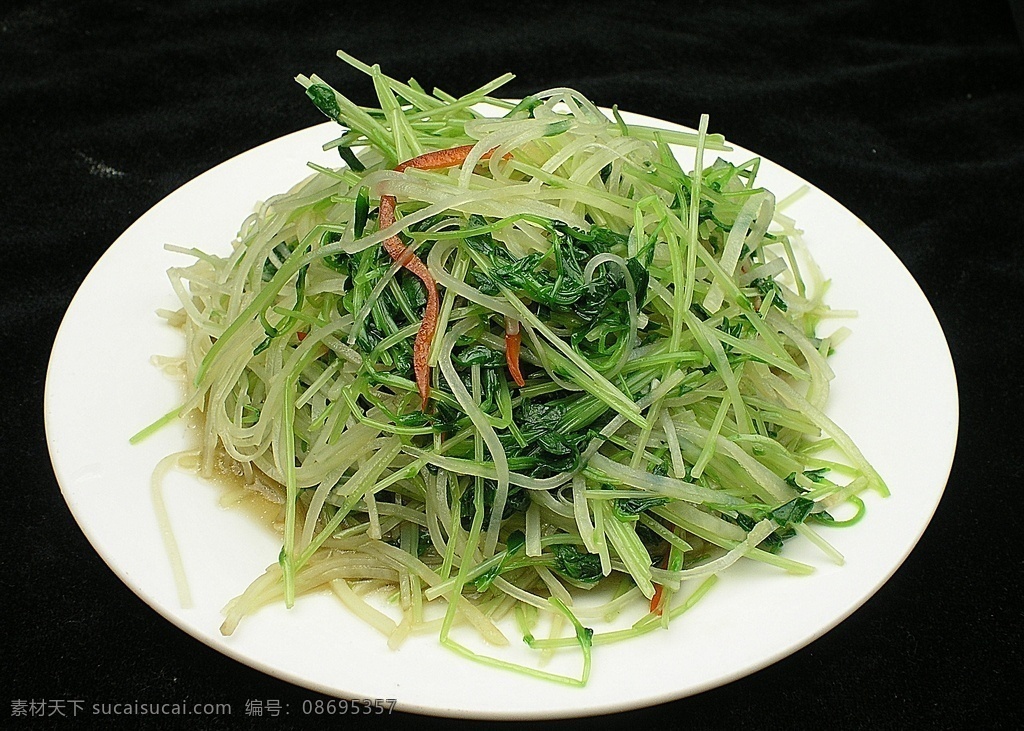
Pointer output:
895, 394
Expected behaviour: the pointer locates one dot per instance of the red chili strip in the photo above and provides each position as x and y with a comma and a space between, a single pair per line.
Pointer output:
656, 600
400, 253
439, 159
656, 603
513, 342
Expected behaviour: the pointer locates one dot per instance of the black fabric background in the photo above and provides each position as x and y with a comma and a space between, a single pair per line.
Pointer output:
911, 114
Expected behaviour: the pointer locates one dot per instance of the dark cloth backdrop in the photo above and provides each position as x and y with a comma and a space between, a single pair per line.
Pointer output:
911, 114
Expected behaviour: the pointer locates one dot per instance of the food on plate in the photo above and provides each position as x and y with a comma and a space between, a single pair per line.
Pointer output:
509, 365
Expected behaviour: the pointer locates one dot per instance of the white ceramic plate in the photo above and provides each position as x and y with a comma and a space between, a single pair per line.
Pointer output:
895, 394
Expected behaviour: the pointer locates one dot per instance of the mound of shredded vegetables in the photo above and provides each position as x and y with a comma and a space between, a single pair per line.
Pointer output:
492, 362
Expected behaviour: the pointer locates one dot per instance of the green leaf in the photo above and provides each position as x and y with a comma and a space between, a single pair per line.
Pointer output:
350, 159
795, 511
575, 564
323, 96
517, 501
641, 278
764, 285
281, 251
362, 211
629, 509
480, 355
516, 541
